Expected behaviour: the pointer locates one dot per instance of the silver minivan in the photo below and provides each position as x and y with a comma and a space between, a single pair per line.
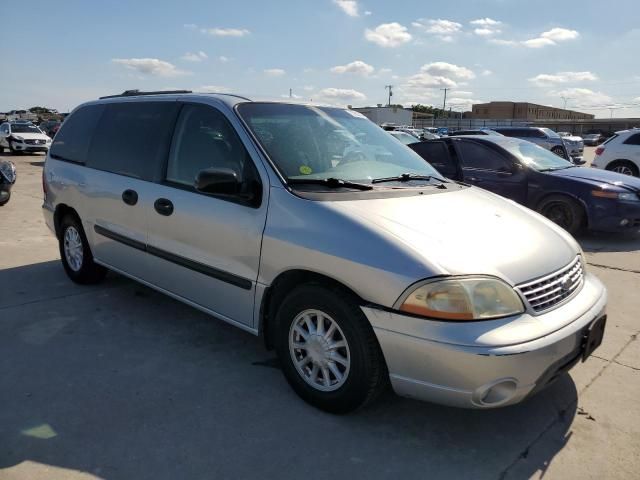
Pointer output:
311, 226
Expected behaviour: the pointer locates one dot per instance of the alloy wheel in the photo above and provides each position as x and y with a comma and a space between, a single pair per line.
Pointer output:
73, 250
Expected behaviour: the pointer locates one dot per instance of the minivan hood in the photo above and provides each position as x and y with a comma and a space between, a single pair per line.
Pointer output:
596, 175
469, 231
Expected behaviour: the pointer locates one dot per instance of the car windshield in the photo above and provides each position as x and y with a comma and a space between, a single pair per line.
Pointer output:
404, 137
315, 143
536, 157
550, 133
24, 128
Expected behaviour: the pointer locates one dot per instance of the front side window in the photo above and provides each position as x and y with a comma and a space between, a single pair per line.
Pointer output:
437, 154
318, 143
205, 139
476, 156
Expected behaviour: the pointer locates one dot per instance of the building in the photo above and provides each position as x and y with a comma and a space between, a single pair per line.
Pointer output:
393, 114
524, 111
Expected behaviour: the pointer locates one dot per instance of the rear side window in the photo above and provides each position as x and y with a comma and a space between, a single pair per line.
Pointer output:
508, 132
633, 140
437, 154
133, 138
479, 157
72, 142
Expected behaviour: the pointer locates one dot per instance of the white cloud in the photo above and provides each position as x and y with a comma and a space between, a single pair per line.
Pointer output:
274, 72
499, 41
562, 77
340, 95
551, 37
486, 26
150, 66
308, 88
384, 71
350, 7
583, 97
449, 70
426, 80
388, 35
225, 32
486, 22
195, 57
367, 12
486, 72
223, 59
213, 89
461, 104
358, 67
445, 30
461, 93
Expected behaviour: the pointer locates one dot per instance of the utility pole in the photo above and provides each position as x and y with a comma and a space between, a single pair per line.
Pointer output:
290, 92
565, 101
389, 87
444, 102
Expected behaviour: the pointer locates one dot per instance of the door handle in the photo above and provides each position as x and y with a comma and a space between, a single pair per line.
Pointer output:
130, 197
163, 206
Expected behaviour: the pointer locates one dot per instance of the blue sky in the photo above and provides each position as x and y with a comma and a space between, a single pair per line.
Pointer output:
335, 51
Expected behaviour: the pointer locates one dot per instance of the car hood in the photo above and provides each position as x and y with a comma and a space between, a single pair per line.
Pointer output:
469, 231
31, 136
599, 177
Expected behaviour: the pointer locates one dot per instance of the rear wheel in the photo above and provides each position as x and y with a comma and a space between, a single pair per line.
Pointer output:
563, 211
328, 351
625, 167
559, 151
75, 253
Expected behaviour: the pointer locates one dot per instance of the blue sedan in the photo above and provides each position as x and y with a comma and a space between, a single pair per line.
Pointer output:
573, 197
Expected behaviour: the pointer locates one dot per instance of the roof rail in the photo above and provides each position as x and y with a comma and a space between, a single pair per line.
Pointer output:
136, 93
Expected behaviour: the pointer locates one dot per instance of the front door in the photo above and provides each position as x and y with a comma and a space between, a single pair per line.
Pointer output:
206, 248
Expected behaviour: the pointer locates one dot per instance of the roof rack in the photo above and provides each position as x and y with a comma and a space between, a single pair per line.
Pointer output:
136, 93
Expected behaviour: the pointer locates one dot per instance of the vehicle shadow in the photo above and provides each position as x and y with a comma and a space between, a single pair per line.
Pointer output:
121, 382
37, 164
609, 242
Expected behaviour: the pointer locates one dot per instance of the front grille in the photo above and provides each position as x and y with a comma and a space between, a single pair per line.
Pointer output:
547, 292
34, 142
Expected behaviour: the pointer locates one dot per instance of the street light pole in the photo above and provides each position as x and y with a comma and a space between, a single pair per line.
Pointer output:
444, 102
389, 87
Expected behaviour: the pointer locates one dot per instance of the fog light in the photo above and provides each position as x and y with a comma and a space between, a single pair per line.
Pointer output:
624, 222
495, 393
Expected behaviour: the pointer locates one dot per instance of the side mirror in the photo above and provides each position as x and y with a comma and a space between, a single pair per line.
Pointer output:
221, 181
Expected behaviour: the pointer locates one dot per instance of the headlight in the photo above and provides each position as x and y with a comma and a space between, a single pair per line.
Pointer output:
18, 137
8, 171
467, 298
624, 196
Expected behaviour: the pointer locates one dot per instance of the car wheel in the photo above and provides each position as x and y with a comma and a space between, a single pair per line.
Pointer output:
623, 166
328, 351
76, 255
563, 211
6, 200
559, 151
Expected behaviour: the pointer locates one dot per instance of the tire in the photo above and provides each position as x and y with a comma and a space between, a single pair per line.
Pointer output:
560, 152
80, 268
624, 167
563, 211
364, 375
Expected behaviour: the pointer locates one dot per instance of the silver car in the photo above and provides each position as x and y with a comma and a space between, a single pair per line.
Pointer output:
354, 258
547, 138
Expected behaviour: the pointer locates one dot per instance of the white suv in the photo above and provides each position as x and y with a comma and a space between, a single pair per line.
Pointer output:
620, 153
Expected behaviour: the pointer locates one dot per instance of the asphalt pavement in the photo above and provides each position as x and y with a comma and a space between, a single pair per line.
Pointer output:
116, 381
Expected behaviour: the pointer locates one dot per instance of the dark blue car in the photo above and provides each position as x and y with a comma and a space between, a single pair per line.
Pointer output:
573, 197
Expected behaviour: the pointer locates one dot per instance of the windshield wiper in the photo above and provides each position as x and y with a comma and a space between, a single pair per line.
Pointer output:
554, 169
406, 177
329, 182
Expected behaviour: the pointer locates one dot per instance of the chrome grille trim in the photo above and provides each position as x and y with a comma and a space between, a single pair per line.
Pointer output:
551, 290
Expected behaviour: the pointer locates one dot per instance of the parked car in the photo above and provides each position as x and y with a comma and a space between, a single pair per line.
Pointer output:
546, 138
593, 139
50, 127
483, 131
7, 179
620, 153
415, 132
20, 137
358, 270
404, 137
442, 131
426, 135
574, 144
570, 196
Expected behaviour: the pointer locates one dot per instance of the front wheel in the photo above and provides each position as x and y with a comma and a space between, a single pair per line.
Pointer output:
76, 255
328, 351
563, 211
559, 151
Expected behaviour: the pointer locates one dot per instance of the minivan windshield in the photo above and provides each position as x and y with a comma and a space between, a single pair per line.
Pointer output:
319, 143
536, 157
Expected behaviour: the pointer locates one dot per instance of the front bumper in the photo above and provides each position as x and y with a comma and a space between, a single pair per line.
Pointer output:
26, 147
614, 216
440, 365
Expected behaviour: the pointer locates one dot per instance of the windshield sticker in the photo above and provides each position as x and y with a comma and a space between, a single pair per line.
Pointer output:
306, 170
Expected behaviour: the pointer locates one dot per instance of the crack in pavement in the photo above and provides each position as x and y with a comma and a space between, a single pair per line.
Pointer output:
608, 267
561, 413
69, 295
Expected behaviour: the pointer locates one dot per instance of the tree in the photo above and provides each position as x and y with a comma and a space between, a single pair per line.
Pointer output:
41, 110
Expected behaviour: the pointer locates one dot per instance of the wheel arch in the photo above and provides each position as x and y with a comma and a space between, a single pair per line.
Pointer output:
281, 286
60, 212
580, 201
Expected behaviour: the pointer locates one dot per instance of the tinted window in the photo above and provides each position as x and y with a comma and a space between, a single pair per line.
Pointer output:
24, 128
72, 140
132, 138
480, 157
437, 154
633, 140
509, 132
204, 139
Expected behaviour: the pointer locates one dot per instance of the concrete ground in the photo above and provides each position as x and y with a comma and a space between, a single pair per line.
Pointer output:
119, 382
